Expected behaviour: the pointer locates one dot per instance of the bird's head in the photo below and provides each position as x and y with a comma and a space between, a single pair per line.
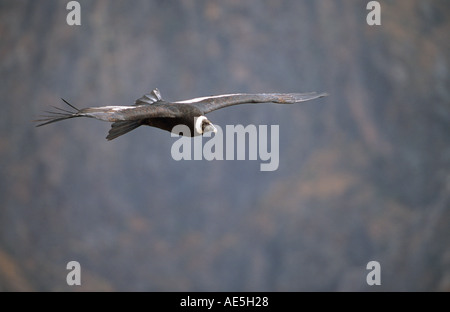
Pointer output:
203, 125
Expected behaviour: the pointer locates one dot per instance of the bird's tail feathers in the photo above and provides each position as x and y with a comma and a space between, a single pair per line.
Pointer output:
119, 128
58, 115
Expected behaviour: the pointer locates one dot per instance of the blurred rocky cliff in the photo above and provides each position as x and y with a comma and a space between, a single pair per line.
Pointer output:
364, 174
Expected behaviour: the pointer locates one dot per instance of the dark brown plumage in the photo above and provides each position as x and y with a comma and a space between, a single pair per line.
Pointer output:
152, 110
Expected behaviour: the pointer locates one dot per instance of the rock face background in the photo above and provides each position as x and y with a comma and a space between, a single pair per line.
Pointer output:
364, 174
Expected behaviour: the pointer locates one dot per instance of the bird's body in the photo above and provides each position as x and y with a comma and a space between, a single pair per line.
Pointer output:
186, 115
152, 111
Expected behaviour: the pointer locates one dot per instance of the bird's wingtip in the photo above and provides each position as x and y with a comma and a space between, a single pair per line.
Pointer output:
324, 94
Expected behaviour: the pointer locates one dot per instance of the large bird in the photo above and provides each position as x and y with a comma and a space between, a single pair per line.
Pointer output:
152, 110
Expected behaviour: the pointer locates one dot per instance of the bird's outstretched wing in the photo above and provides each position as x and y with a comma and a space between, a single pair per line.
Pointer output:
111, 113
127, 113
211, 103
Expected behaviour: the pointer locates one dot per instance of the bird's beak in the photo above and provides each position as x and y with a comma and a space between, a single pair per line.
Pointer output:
210, 128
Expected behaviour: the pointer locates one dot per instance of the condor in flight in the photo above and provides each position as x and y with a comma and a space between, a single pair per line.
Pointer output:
152, 110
